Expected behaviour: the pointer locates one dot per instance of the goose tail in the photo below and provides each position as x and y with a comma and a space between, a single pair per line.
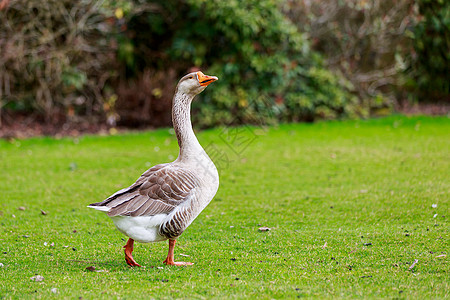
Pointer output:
100, 208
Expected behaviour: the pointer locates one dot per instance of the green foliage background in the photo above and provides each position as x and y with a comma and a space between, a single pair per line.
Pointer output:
118, 61
431, 36
266, 68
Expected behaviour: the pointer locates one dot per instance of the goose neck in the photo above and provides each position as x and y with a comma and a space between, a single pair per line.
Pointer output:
181, 118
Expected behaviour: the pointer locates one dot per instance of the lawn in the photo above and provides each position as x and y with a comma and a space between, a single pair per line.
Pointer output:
350, 206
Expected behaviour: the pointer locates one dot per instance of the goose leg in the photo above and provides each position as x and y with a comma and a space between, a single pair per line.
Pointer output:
169, 260
128, 254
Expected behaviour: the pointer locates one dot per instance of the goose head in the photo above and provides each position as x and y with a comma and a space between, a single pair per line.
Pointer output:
194, 83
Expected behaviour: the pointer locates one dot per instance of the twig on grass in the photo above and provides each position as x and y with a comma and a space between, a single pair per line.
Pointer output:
413, 264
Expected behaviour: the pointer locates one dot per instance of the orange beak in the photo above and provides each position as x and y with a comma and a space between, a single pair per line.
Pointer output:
204, 80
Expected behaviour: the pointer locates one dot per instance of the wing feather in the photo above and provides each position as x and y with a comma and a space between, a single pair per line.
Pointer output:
159, 190
156, 207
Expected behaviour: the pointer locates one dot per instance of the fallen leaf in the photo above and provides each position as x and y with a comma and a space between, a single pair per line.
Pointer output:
184, 254
433, 205
264, 228
43, 212
21, 208
92, 269
442, 255
1, 265
324, 245
54, 290
37, 278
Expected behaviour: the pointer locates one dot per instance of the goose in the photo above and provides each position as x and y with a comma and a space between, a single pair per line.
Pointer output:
166, 198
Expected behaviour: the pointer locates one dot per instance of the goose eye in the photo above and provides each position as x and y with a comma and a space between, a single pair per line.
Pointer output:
190, 77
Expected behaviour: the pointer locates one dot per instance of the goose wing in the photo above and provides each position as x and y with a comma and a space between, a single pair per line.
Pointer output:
158, 191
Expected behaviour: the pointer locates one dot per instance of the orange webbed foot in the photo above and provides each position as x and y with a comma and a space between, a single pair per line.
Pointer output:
177, 263
169, 260
128, 254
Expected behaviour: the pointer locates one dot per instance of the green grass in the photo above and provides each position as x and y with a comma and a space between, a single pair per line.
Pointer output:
365, 189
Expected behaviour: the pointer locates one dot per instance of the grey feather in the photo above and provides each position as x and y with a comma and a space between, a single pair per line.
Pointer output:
158, 191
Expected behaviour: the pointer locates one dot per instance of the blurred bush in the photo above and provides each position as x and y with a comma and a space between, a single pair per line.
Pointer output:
430, 67
119, 61
266, 68
363, 40
55, 60
389, 50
